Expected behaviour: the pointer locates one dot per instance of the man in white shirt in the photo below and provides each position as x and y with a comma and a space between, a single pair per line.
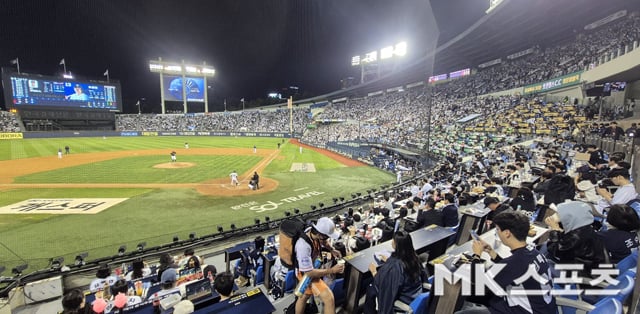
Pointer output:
625, 192
308, 249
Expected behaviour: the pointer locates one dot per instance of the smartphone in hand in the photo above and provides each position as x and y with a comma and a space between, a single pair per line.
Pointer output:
474, 235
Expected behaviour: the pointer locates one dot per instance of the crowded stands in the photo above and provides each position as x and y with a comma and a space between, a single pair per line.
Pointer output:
524, 182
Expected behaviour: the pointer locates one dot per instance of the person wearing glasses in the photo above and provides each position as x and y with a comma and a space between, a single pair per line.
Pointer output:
308, 249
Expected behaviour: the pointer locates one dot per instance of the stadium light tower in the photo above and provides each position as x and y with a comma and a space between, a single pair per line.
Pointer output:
372, 63
492, 5
190, 80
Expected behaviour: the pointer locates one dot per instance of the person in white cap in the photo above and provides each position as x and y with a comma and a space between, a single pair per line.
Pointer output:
309, 248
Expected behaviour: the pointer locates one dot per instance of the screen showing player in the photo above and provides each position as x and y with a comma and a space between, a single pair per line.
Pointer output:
32, 91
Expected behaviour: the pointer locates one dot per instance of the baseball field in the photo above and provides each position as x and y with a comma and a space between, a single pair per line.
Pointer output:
115, 191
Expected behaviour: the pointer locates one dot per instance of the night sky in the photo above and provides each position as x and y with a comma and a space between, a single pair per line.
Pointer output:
255, 46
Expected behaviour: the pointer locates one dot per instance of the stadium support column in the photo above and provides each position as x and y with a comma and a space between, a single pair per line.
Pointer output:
184, 89
290, 106
164, 109
206, 89
429, 93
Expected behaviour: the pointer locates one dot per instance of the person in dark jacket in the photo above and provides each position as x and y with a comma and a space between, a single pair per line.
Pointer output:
621, 235
575, 242
613, 131
450, 211
398, 278
524, 198
496, 207
429, 216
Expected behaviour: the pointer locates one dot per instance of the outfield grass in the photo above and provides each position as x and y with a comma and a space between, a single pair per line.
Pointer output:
156, 215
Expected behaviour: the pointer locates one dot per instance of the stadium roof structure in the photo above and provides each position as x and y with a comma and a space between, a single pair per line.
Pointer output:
514, 26
519, 25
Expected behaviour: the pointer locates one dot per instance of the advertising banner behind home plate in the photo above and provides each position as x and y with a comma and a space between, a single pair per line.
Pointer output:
61, 206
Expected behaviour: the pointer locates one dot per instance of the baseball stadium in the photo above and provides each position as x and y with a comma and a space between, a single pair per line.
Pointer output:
502, 135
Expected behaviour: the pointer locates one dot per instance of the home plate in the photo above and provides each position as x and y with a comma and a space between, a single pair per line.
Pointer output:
303, 167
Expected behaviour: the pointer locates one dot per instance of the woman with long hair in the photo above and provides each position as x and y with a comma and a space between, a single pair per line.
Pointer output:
398, 278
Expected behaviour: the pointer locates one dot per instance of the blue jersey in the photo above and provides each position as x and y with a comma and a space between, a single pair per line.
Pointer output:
514, 278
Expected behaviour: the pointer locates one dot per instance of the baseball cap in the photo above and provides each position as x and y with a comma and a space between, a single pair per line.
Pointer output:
490, 200
183, 307
168, 275
326, 226
99, 305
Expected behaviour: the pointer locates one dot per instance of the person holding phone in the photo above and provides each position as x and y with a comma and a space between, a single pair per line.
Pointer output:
512, 228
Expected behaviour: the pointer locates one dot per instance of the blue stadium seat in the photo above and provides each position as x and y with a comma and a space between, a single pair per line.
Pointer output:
259, 275
607, 306
635, 204
624, 288
337, 287
417, 306
290, 281
629, 262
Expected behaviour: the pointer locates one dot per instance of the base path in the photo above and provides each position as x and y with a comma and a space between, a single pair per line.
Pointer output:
219, 186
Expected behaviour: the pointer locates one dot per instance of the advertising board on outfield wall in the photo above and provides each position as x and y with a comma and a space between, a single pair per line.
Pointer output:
10, 136
558, 82
7, 136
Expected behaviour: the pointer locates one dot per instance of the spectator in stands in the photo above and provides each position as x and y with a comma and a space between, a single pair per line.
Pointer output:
400, 277
429, 216
103, 279
450, 210
613, 131
496, 208
166, 262
121, 287
620, 236
223, 284
73, 302
572, 239
512, 228
307, 253
614, 160
139, 270
625, 192
586, 188
596, 158
168, 285
524, 199
632, 131
542, 186
188, 253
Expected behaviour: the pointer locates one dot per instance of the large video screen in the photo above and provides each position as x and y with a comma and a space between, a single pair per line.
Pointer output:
173, 88
36, 91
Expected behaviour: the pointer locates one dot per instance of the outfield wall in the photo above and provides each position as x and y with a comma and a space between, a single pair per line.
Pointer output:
19, 135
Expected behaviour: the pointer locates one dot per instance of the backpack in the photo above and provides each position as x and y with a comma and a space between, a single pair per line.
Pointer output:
290, 231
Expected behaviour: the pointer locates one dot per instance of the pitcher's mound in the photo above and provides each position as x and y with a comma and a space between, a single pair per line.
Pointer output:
174, 165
